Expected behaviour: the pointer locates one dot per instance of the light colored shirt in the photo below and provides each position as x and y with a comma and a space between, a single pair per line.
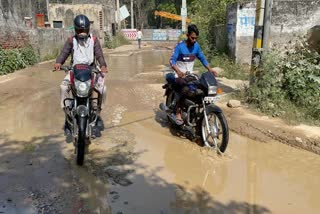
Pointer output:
83, 53
183, 56
139, 34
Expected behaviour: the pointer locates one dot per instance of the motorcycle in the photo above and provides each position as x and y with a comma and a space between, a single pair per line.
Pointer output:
202, 118
82, 110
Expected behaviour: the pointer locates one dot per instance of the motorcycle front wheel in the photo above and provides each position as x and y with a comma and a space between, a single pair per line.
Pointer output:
81, 140
219, 131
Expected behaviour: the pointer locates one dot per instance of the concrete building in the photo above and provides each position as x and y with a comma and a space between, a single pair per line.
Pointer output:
14, 14
240, 31
62, 16
100, 16
290, 19
20, 23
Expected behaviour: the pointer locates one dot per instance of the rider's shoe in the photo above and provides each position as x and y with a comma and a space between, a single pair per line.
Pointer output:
66, 129
99, 123
67, 133
95, 132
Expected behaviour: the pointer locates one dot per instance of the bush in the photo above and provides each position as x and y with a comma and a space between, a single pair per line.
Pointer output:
231, 69
206, 14
14, 59
115, 41
289, 82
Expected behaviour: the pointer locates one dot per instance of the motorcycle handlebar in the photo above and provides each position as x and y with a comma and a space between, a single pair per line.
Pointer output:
69, 68
65, 68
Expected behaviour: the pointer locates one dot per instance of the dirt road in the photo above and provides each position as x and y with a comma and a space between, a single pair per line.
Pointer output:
138, 165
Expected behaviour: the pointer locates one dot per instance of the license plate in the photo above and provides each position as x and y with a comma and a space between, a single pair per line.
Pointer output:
211, 99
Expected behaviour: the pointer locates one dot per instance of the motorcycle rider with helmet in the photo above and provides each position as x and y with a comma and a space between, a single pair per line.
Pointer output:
84, 48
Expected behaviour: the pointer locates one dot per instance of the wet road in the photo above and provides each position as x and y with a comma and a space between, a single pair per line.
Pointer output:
138, 166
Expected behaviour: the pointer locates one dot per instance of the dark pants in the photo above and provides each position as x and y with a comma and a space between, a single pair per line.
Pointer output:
139, 43
179, 87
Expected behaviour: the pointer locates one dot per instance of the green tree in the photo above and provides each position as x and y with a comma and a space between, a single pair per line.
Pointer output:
206, 14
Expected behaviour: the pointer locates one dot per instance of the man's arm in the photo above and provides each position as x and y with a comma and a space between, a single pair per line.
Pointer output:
65, 52
204, 61
201, 57
99, 56
173, 61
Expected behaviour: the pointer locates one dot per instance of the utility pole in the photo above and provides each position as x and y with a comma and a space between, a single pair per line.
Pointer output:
184, 15
257, 42
261, 33
47, 2
132, 23
266, 24
118, 16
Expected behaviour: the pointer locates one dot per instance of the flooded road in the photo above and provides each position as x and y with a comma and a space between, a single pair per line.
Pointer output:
139, 165
252, 177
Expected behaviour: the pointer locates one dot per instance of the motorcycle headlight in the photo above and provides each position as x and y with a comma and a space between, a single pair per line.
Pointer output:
212, 90
82, 88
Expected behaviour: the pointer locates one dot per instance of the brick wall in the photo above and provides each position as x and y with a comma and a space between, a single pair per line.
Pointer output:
44, 41
48, 41
18, 39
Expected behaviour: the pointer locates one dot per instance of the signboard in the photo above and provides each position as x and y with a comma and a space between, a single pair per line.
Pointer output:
130, 34
174, 34
159, 34
124, 13
246, 22
147, 34
153, 34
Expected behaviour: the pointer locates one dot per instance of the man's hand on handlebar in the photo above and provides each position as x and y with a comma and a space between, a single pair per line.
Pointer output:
215, 73
180, 74
57, 66
104, 70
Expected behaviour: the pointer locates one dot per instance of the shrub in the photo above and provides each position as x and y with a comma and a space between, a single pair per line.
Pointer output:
288, 82
14, 59
231, 69
115, 41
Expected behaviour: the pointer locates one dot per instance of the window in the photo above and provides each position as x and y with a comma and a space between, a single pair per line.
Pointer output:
57, 24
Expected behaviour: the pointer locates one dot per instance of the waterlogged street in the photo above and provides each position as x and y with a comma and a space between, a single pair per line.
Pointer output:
139, 165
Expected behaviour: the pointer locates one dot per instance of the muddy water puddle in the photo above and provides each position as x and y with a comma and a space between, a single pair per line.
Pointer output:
150, 169
133, 66
174, 175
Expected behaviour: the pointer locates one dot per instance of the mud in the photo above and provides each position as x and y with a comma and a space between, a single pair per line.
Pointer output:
174, 175
262, 128
141, 164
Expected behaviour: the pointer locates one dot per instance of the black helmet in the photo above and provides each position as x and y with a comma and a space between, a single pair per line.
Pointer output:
81, 25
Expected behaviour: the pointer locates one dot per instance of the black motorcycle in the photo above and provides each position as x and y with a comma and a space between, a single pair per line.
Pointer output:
201, 117
82, 110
